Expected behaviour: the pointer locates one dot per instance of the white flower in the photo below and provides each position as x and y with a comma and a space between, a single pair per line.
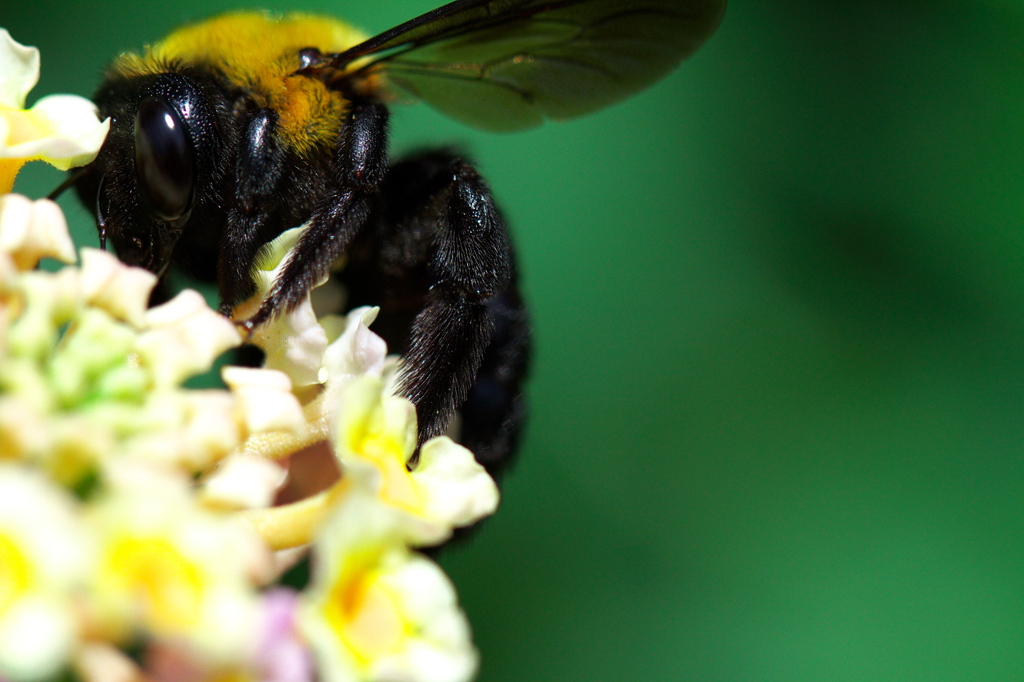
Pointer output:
62, 130
347, 399
376, 610
170, 569
44, 561
446, 489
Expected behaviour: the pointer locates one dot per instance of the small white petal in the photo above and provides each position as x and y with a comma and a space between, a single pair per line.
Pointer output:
273, 256
121, 290
184, 337
460, 491
357, 352
31, 230
243, 482
265, 399
294, 343
19, 71
208, 429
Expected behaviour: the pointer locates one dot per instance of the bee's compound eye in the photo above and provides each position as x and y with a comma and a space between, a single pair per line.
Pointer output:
163, 159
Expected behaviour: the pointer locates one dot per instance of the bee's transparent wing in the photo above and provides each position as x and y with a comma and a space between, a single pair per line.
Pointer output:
509, 64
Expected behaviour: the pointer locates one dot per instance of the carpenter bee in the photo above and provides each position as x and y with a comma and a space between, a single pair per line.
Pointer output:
234, 129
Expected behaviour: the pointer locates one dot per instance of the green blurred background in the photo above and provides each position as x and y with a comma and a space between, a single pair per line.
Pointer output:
778, 398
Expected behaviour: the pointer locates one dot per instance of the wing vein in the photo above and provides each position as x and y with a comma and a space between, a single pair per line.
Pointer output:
509, 64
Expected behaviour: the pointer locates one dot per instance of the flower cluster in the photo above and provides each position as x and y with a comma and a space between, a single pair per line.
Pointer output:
145, 525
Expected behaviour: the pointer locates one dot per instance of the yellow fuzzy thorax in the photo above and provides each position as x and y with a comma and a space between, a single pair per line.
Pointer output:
257, 53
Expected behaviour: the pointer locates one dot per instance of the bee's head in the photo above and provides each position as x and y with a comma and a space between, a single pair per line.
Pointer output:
150, 179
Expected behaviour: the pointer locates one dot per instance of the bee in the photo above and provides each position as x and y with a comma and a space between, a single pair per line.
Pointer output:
232, 130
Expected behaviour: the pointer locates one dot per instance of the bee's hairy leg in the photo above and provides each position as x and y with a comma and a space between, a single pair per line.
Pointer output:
494, 413
440, 209
359, 167
258, 172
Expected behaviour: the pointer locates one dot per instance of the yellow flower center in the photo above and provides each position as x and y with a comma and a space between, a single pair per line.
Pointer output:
15, 573
20, 126
23, 126
154, 570
398, 488
365, 614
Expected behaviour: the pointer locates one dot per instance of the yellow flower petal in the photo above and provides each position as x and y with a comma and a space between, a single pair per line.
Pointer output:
295, 524
8, 167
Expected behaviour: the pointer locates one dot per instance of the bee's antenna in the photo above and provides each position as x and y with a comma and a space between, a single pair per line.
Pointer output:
68, 182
